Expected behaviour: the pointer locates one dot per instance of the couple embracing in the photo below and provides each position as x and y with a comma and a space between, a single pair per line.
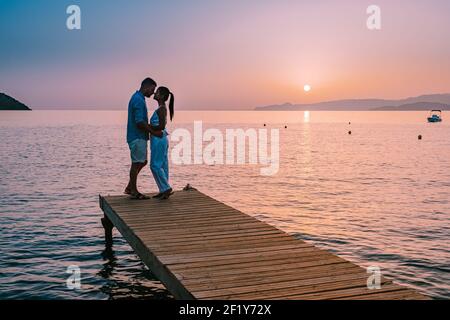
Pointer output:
140, 130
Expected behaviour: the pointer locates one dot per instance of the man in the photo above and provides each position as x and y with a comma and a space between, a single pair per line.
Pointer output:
138, 130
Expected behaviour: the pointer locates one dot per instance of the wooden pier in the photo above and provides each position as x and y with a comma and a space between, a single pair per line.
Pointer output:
200, 248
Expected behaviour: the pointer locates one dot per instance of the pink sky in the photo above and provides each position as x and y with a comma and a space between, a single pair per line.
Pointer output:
229, 55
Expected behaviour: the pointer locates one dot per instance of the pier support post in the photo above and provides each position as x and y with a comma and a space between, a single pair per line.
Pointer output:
108, 226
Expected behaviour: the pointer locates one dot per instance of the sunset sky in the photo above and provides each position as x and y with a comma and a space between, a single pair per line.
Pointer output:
222, 54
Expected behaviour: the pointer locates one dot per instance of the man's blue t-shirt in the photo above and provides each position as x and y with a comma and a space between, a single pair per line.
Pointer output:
137, 112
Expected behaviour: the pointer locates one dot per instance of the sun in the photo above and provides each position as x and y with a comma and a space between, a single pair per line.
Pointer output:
307, 88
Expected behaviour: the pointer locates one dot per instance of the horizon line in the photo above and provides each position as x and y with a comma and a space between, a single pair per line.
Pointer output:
234, 108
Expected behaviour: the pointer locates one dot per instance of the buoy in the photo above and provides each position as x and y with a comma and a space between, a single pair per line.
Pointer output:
349, 123
420, 137
285, 127
264, 124
349, 132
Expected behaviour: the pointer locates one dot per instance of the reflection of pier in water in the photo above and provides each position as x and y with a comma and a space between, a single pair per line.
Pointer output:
118, 289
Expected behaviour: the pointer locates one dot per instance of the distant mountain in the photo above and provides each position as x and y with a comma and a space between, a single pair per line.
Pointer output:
363, 104
9, 103
418, 106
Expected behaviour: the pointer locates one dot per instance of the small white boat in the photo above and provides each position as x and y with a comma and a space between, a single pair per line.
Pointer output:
435, 116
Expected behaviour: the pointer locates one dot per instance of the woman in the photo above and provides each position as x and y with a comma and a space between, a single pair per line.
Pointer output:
159, 146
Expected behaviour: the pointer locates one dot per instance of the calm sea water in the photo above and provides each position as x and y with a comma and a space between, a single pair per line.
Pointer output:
378, 197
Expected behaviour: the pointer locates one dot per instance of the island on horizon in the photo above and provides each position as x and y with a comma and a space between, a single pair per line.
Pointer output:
420, 103
9, 103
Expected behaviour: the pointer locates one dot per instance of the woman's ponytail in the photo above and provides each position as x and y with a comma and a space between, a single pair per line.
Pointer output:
171, 103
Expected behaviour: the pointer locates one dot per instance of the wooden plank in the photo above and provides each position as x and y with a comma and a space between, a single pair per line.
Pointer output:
201, 248
179, 195
187, 196
202, 222
282, 286
234, 251
347, 292
165, 249
171, 214
270, 276
259, 260
227, 229
289, 251
225, 223
153, 209
244, 267
322, 290
196, 238
216, 244
168, 278
401, 294
213, 209
206, 231
186, 249
279, 265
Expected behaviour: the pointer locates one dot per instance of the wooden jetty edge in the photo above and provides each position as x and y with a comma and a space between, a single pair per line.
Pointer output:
200, 248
